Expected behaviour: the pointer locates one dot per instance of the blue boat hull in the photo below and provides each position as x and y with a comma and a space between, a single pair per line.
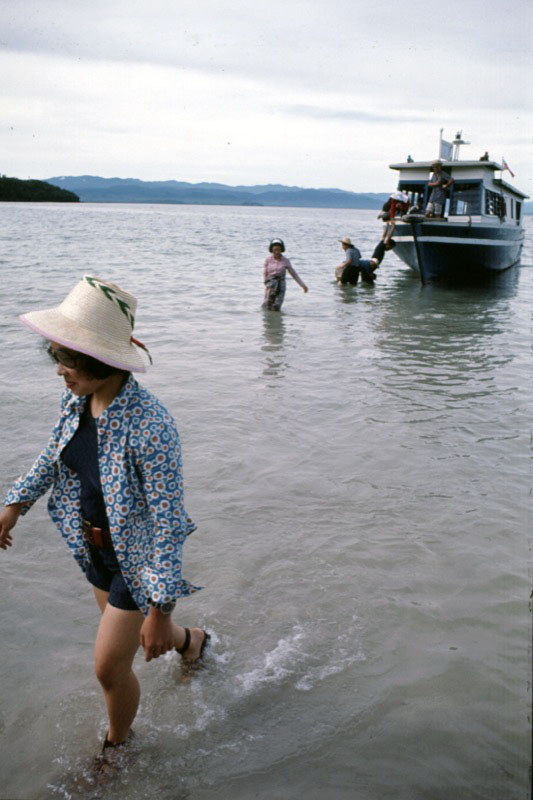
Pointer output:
457, 252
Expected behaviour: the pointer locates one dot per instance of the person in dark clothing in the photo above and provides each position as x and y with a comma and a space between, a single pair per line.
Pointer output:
348, 271
369, 266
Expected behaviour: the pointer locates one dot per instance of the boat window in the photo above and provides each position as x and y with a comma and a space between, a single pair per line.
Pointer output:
466, 198
494, 204
518, 210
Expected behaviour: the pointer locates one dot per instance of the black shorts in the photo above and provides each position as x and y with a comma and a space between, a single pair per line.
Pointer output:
104, 573
350, 274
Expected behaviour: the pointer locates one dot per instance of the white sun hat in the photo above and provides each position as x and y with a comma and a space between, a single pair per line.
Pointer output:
96, 318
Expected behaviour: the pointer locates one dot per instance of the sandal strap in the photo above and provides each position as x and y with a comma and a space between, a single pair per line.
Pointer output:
186, 644
109, 744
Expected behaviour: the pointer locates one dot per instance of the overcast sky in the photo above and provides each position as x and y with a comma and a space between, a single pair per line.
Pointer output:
315, 93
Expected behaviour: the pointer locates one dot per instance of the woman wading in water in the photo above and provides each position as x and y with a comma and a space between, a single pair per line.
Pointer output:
113, 463
274, 275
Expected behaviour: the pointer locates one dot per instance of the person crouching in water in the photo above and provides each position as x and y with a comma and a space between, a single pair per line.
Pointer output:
354, 265
274, 270
113, 463
369, 266
348, 271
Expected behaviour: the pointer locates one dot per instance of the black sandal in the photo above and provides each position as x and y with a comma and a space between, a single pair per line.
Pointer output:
187, 643
126, 741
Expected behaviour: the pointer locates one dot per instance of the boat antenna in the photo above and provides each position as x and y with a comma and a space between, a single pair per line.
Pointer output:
457, 142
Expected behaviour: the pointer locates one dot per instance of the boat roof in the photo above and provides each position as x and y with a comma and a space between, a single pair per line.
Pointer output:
493, 166
509, 188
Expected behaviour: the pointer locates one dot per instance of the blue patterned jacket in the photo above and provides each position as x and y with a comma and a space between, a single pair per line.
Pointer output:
140, 464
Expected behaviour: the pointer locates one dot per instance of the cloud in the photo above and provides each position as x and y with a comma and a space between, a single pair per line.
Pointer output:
270, 91
349, 115
304, 40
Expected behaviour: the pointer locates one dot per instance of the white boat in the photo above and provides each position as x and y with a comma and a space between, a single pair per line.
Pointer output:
480, 231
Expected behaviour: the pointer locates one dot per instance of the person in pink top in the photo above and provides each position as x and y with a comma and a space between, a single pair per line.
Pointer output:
274, 269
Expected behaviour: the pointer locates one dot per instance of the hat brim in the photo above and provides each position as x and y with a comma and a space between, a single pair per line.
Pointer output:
54, 325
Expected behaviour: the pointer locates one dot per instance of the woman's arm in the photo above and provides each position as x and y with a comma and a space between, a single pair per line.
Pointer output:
8, 519
156, 635
294, 274
160, 467
29, 487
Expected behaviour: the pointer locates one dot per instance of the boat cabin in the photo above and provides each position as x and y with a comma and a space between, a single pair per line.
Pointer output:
476, 191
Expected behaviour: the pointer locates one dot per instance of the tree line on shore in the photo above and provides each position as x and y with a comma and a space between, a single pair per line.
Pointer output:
16, 190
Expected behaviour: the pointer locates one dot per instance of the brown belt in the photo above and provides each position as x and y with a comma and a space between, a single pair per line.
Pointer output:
99, 537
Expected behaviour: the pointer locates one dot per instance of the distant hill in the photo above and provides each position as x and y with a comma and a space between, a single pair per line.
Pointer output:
15, 190
93, 189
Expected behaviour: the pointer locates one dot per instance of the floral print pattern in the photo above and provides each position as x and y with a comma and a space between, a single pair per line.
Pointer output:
139, 457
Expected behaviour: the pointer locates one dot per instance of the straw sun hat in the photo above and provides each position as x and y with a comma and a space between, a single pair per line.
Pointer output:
346, 240
96, 318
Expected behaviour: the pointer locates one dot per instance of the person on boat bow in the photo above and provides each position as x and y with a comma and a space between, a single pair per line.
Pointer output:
395, 206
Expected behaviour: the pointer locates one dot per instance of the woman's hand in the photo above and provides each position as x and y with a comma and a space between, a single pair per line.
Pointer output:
305, 289
156, 634
8, 520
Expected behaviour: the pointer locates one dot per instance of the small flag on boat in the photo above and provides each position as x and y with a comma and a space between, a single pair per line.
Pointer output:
506, 167
446, 150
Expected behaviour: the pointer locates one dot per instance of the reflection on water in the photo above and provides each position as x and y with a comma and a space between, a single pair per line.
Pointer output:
273, 348
351, 294
445, 329
346, 294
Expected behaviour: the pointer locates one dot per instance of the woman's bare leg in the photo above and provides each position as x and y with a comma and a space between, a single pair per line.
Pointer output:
117, 642
101, 598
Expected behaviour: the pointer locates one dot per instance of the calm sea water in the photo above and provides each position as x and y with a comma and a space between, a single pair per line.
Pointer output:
360, 470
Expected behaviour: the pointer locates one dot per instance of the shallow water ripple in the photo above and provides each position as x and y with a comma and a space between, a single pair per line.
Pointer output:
359, 468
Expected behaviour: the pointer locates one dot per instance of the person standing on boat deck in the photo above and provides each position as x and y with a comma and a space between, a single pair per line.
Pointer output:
348, 271
438, 183
274, 270
113, 462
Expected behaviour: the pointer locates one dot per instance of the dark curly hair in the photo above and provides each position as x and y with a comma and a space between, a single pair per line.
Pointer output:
97, 369
90, 366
